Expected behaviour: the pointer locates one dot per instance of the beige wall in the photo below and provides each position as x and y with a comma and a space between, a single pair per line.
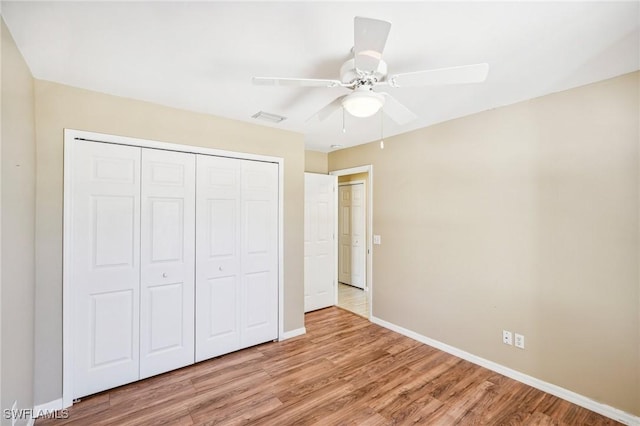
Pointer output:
59, 107
522, 218
18, 228
357, 176
316, 162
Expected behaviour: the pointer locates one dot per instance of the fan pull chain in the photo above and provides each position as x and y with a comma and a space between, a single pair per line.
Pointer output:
381, 129
344, 130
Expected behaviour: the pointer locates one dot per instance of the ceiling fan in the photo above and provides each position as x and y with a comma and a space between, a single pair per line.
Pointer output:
367, 71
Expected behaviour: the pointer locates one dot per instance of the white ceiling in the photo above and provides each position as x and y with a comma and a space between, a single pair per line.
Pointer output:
201, 56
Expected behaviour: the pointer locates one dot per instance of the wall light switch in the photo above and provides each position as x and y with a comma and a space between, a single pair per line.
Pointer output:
519, 341
377, 239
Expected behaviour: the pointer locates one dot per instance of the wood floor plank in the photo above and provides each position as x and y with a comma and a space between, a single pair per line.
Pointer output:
225, 375
539, 419
426, 412
353, 414
406, 408
344, 371
141, 396
240, 411
298, 410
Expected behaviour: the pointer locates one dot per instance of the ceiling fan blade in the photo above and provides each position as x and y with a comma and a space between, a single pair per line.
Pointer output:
329, 109
295, 82
370, 37
396, 111
476, 73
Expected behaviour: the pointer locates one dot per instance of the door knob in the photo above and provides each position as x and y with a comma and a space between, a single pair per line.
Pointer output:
219, 268
164, 275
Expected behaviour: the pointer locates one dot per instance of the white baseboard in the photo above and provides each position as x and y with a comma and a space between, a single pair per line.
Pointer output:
575, 398
293, 333
42, 409
49, 407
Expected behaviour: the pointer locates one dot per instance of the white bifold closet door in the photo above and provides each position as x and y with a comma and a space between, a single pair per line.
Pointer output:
167, 276
173, 258
133, 274
105, 208
236, 254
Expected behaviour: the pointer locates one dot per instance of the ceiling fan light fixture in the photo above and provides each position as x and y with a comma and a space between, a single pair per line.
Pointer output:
363, 103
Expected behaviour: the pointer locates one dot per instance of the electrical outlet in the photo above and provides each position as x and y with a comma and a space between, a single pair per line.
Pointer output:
519, 342
507, 337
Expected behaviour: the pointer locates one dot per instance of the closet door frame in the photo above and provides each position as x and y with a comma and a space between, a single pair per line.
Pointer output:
71, 139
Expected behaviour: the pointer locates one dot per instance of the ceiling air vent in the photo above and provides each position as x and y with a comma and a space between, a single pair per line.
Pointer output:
267, 116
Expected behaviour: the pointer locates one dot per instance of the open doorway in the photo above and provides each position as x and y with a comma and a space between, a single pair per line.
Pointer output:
354, 240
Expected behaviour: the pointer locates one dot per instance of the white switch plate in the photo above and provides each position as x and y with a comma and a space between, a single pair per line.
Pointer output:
377, 239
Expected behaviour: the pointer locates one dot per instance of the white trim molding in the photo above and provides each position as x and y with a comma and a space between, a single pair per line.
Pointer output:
575, 398
49, 407
369, 191
293, 333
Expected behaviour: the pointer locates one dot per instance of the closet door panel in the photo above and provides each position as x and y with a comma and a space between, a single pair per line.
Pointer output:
218, 258
105, 273
168, 261
259, 236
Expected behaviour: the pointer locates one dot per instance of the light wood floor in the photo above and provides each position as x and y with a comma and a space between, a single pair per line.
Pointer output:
345, 370
353, 299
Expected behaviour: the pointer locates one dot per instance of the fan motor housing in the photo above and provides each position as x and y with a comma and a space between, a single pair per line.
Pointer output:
349, 74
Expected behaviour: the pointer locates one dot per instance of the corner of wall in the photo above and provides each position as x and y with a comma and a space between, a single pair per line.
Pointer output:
17, 233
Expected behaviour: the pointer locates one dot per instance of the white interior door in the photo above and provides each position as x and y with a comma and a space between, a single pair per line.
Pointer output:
358, 236
352, 234
167, 261
105, 274
344, 234
259, 252
319, 243
218, 256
